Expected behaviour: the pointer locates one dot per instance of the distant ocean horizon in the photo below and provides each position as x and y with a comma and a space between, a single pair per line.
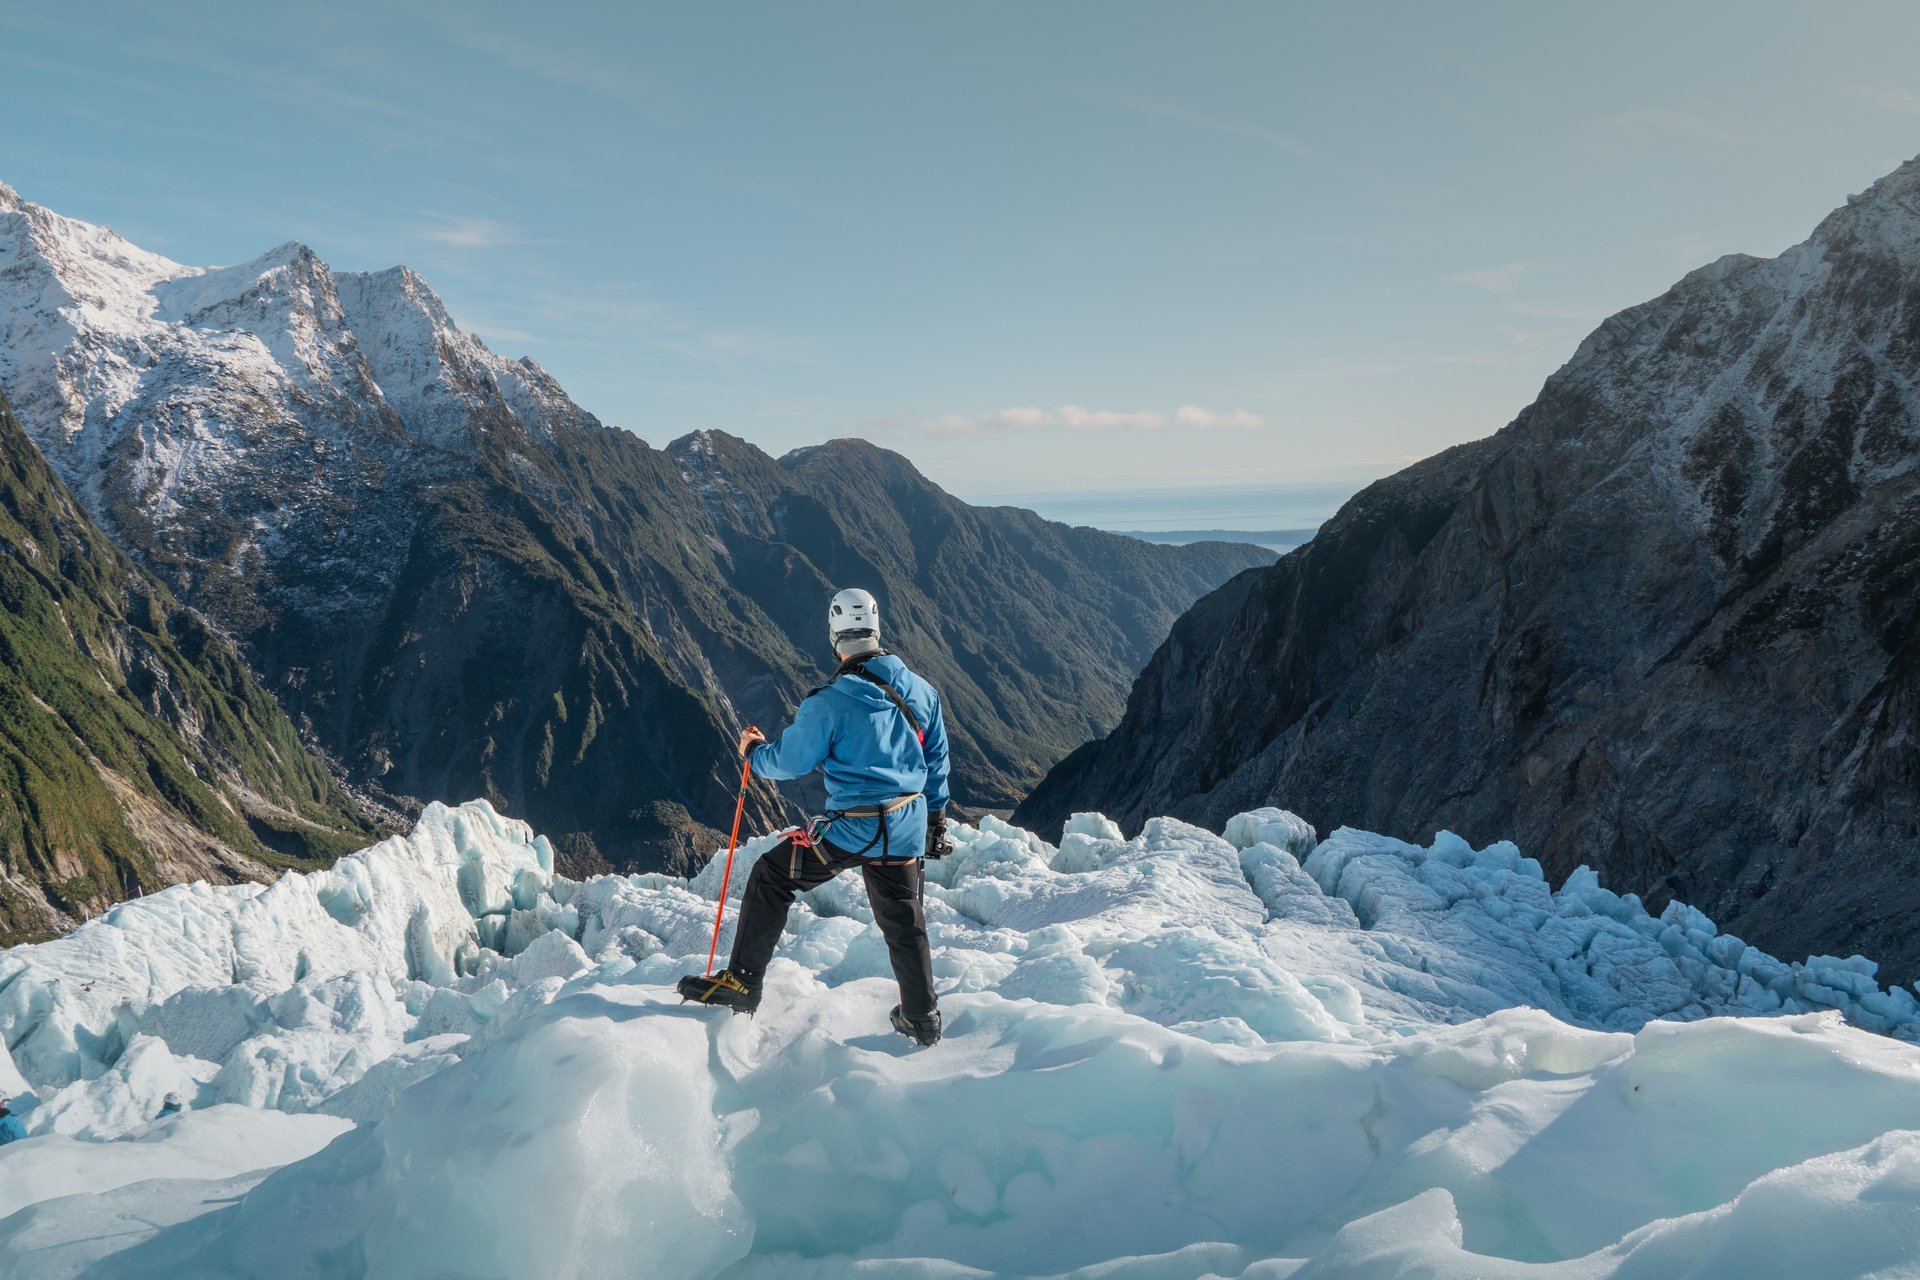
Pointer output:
1261, 512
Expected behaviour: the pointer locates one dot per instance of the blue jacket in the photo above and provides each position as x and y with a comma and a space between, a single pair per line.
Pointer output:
12, 1128
851, 731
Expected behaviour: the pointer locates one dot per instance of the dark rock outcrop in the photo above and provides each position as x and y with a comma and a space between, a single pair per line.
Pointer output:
1664, 623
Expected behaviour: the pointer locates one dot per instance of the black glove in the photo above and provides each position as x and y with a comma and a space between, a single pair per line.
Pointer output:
938, 846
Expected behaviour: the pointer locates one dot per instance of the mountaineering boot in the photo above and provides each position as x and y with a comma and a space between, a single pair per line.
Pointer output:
723, 989
922, 1031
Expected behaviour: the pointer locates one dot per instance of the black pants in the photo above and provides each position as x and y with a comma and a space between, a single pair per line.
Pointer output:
894, 890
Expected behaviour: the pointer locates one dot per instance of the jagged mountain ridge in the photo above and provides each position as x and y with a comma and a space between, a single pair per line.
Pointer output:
1664, 623
135, 750
465, 584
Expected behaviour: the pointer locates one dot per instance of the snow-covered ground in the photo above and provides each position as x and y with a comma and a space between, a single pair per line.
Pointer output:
1184, 1055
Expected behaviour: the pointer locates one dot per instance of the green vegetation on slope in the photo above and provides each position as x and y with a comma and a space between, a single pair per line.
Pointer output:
134, 746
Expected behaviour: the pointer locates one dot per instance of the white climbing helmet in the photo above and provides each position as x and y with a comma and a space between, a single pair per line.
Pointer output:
853, 610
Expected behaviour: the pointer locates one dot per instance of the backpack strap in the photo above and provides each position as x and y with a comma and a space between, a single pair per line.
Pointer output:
893, 696
857, 666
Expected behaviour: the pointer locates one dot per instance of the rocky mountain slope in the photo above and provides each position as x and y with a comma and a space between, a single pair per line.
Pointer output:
135, 750
464, 584
1663, 623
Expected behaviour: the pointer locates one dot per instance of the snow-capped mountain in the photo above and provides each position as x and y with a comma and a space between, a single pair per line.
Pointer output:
95, 326
221, 415
1182, 1055
1664, 623
462, 583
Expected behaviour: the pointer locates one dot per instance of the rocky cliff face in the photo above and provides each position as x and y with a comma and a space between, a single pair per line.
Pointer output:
135, 750
1664, 623
464, 584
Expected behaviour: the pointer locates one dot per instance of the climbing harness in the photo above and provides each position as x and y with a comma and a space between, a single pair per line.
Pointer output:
814, 834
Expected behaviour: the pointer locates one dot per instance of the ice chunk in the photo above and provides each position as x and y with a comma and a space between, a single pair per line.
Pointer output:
707, 1142
1277, 827
207, 1022
1289, 892
550, 955
1095, 826
1142, 1036
396, 909
128, 1096
1516, 1045
217, 1142
587, 1140
373, 1095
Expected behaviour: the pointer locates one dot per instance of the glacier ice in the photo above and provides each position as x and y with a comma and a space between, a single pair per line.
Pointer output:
1184, 1054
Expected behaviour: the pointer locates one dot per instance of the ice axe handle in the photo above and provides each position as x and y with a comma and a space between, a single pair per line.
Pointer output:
726, 874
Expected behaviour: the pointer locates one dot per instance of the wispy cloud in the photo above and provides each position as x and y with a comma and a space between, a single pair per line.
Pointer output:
615, 84
1501, 279
1073, 417
1667, 122
637, 331
466, 233
381, 110
1068, 417
615, 311
1898, 102
1275, 138
1192, 415
38, 24
716, 346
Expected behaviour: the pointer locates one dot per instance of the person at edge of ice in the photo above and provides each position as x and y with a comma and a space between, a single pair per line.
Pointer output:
877, 734
12, 1127
170, 1106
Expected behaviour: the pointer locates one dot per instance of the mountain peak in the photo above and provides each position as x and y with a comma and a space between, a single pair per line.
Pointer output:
288, 254
10, 201
711, 442
288, 274
1885, 217
838, 445
403, 288
1903, 182
856, 451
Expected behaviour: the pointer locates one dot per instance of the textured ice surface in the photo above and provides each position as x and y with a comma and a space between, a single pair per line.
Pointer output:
1178, 1055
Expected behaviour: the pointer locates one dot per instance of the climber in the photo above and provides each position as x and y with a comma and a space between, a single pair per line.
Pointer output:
12, 1127
876, 733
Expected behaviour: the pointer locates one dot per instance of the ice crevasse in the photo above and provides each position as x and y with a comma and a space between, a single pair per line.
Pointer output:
1186, 1054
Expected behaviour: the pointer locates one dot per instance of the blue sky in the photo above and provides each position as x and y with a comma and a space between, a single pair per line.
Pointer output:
1035, 247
